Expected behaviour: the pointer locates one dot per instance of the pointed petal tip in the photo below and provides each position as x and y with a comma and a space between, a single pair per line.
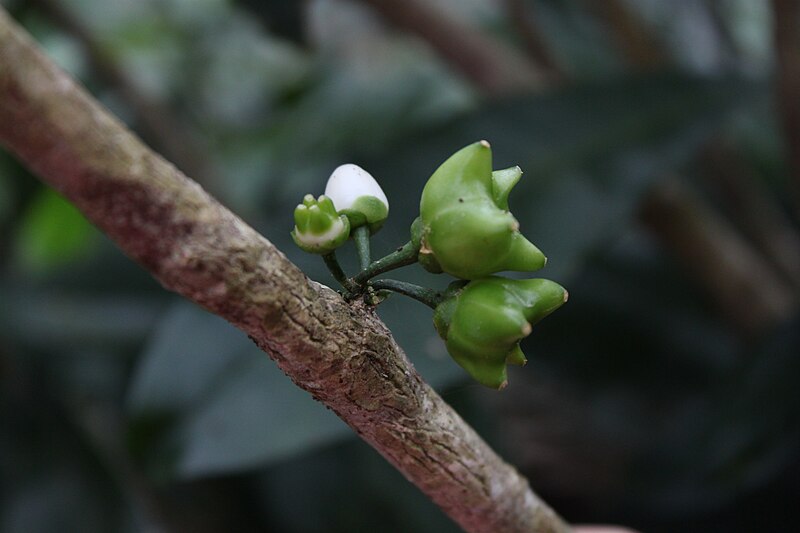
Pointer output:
485, 143
524, 256
516, 357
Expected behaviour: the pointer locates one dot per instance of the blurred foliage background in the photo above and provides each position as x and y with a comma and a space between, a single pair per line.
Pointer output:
657, 179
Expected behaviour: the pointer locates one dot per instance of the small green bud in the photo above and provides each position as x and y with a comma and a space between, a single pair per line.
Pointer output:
358, 196
466, 228
483, 322
318, 228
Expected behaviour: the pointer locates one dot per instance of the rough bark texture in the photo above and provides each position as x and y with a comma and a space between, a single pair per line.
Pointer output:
342, 354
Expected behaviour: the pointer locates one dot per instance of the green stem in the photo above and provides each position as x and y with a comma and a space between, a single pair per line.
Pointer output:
336, 271
429, 297
406, 255
361, 237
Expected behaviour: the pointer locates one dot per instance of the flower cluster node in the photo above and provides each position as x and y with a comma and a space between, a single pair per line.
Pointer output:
464, 228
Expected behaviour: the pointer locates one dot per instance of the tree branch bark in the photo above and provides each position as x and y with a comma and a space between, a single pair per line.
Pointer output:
342, 354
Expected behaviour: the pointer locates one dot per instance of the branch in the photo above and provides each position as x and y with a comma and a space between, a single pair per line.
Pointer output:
742, 284
521, 15
711, 249
786, 21
754, 210
632, 39
491, 65
342, 354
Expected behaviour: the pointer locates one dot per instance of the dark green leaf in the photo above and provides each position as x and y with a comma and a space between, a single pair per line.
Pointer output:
61, 319
587, 152
227, 404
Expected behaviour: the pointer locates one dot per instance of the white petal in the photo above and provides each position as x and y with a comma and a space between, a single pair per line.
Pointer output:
349, 182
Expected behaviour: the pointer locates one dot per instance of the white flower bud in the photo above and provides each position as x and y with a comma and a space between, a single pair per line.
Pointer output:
356, 194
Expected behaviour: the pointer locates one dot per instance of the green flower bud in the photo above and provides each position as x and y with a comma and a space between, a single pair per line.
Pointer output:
466, 228
318, 228
484, 320
358, 196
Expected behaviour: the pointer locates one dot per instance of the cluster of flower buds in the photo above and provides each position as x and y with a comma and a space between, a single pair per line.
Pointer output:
465, 229
352, 199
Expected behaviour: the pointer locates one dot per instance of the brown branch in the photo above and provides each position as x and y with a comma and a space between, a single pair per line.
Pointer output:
631, 37
786, 21
521, 14
711, 249
491, 65
754, 210
741, 283
342, 354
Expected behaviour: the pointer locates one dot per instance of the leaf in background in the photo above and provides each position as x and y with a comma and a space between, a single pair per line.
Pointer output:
255, 415
655, 402
588, 153
285, 19
343, 489
221, 405
52, 233
53, 478
226, 405
60, 501
58, 318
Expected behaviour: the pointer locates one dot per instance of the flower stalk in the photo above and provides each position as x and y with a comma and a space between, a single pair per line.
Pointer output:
361, 238
429, 297
403, 256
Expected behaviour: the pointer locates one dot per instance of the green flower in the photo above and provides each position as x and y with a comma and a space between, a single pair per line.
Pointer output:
318, 228
483, 322
465, 227
358, 196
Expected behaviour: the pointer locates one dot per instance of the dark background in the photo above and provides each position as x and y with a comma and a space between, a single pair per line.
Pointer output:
663, 396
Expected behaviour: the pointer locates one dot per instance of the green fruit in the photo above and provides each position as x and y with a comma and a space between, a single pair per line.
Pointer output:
483, 322
466, 228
